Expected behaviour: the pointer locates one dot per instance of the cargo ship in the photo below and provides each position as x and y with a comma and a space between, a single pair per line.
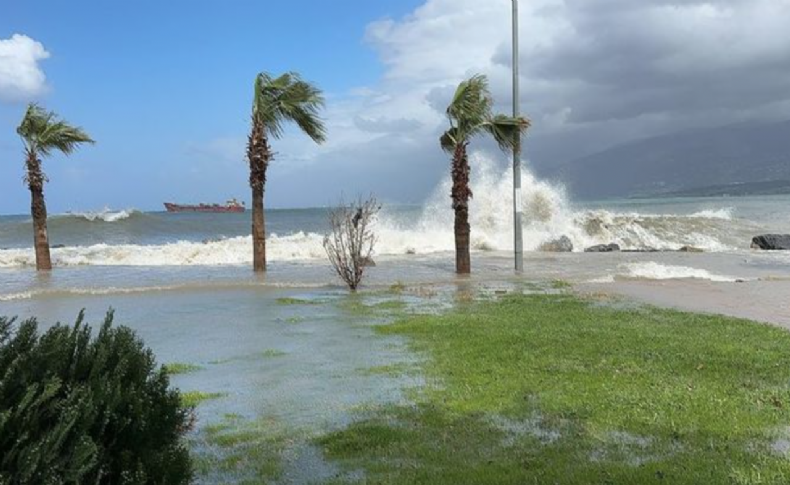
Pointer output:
230, 206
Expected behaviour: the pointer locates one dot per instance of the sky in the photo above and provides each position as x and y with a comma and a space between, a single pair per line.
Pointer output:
165, 87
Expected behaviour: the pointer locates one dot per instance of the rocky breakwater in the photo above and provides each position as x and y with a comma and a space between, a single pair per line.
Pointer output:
772, 242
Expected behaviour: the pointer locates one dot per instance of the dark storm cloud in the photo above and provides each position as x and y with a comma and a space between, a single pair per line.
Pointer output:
620, 59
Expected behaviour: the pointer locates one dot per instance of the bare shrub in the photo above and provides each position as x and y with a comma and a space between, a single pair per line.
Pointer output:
350, 243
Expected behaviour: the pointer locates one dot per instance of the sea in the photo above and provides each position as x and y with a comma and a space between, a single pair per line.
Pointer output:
184, 283
130, 251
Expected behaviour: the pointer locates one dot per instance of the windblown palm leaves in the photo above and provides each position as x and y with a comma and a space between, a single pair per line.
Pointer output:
471, 114
277, 101
42, 133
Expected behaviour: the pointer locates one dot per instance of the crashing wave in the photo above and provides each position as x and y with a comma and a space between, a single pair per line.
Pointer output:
229, 251
547, 211
104, 215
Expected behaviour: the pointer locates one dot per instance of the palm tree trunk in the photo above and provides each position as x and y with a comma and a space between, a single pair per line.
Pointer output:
259, 156
38, 211
258, 230
463, 260
461, 194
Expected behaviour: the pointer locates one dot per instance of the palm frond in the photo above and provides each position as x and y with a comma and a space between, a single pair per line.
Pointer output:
470, 114
449, 140
471, 104
42, 131
289, 98
33, 123
506, 130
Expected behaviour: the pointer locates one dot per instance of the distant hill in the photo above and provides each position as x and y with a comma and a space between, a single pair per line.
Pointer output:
741, 189
691, 161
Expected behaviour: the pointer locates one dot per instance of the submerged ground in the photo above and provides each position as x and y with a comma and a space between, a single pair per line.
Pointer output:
524, 385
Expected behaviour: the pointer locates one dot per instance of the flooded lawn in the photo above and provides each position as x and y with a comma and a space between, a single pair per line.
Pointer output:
495, 383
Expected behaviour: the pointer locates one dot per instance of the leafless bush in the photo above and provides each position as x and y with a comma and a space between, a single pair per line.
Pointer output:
350, 243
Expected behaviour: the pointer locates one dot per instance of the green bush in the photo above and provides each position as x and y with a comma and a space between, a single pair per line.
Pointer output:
78, 410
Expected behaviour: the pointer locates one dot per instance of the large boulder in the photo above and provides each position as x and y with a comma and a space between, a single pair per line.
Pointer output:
772, 242
561, 245
603, 248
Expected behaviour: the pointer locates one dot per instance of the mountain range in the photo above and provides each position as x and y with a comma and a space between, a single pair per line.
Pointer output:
747, 156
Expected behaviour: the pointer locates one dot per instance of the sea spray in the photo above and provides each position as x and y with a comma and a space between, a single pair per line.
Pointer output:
104, 215
548, 214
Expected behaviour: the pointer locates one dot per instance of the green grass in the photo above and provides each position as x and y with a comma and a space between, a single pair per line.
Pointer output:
358, 305
397, 288
390, 370
298, 301
553, 389
249, 450
195, 398
561, 285
177, 368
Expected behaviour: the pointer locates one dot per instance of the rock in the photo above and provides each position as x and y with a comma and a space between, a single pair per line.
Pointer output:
368, 263
561, 245
772, 242
603, 248
642, 250
690, 249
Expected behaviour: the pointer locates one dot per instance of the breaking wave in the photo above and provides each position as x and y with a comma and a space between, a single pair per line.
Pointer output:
548, 214
651, 270
229, 251
655, 271
104, 215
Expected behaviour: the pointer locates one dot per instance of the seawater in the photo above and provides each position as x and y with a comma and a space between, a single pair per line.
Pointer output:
184, 283
129, 251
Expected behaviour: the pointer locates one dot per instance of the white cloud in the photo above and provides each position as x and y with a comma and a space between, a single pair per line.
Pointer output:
594, 73
21, 77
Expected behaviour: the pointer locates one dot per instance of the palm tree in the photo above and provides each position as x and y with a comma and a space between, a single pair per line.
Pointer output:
470, 114
276, 101
42, 132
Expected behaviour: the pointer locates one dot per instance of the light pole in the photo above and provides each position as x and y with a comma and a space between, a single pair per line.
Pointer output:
519, 238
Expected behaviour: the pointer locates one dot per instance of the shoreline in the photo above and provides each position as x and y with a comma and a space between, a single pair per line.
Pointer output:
761, 300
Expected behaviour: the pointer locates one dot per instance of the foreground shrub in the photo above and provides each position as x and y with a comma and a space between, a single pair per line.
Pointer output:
76, 409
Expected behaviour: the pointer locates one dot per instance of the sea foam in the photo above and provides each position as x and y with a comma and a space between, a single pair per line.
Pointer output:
104, 215
548, 214
655, 271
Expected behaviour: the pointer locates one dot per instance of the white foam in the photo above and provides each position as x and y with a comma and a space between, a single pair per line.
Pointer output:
104, 215
724, 214
655, 271
602, 280
546, 211
25, 295
232, 251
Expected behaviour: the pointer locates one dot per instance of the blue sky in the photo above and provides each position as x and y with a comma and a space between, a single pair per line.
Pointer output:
165, 87
152, 80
